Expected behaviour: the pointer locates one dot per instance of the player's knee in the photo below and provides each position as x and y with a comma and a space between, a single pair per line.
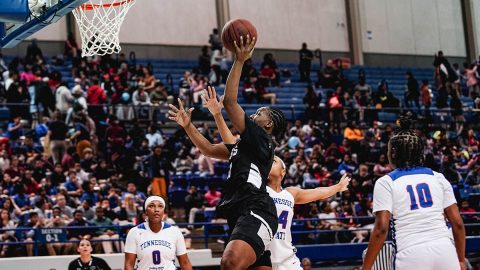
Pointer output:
230, 261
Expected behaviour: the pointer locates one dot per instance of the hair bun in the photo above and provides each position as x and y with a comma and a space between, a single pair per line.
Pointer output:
405, 121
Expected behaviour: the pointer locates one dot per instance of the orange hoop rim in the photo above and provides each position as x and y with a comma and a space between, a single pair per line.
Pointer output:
110, 5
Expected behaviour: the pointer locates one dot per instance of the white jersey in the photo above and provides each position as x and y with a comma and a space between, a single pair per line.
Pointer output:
416, 198
155, 251
281, 246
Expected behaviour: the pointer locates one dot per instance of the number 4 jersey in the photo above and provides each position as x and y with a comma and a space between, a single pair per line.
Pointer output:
281, 246
155, 251
416, 198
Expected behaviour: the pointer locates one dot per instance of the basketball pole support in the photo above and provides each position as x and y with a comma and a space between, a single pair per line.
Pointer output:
20, 32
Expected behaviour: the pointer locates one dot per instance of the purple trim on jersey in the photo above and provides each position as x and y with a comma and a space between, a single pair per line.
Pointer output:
141, 226
409, 171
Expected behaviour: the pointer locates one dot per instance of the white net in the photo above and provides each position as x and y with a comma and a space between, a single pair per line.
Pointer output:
99, 22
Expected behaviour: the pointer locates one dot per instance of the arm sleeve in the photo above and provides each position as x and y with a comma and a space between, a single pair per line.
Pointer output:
448, 195
130, 243
181, 248
256, 139
382, 196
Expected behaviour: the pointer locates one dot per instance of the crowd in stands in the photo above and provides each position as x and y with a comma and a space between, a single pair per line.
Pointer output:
67, 159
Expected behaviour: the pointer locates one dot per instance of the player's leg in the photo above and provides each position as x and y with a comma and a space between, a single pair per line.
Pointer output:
252, 233
237, 255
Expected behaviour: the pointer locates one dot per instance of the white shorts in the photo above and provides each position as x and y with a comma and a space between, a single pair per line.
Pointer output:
436, 255
292, 263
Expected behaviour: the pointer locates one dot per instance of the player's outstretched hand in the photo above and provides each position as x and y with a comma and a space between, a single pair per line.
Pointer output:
210, 101
244, 50
344, 182
180, 115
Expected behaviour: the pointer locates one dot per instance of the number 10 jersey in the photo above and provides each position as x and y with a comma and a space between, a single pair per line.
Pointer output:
416, 198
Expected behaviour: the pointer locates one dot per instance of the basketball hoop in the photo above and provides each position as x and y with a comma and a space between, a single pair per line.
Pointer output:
99, 22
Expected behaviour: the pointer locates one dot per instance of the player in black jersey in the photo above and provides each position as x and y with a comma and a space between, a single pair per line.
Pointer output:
250, 211
86, 260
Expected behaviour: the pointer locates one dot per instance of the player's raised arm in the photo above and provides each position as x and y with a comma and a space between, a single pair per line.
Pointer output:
183, 118
215, 107
303, 196
243, 52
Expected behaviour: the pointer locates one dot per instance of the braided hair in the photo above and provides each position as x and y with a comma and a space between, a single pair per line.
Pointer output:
406, 146
279, 123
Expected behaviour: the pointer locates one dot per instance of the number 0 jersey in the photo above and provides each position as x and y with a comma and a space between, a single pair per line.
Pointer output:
155, 251
281, 246
416, 198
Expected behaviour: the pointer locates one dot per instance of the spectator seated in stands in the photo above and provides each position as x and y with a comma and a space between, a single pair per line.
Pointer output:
311, 100
249, 92
154, 136
212, 196
58, 220
263, 95
33, 222
76, 234
15, 130
87, 208
268, 75
184, 163
273, 74
473, 177
195, 202
348, 165
105, 233
7, 236
129, 210
159, 95
384, 98
137, 195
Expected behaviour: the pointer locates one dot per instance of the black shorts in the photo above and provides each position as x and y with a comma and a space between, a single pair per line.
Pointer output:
257, 228
264, 260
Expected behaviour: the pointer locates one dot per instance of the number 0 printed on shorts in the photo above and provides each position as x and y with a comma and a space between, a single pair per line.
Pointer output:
424, 196
156, 257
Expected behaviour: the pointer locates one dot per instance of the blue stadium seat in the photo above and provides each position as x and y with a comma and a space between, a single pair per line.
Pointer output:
4, 113
177, 196
387, 117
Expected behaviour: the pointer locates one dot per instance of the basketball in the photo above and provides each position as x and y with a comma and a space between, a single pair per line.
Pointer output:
234, 29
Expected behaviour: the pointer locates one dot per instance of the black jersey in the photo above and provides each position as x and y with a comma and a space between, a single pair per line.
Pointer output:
94, 264
250, 160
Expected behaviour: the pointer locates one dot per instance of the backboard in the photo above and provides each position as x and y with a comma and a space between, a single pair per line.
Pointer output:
17, 21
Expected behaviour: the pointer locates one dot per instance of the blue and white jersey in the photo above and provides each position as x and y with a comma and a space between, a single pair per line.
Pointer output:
155, 251
416, 198
281, 247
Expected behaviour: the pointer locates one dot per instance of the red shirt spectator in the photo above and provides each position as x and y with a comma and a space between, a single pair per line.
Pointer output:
212, 196
96, 95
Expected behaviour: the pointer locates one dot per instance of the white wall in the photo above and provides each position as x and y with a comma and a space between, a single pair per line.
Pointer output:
53, 32
412, 27
285, 24
198, 258
169, 22
476, 23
